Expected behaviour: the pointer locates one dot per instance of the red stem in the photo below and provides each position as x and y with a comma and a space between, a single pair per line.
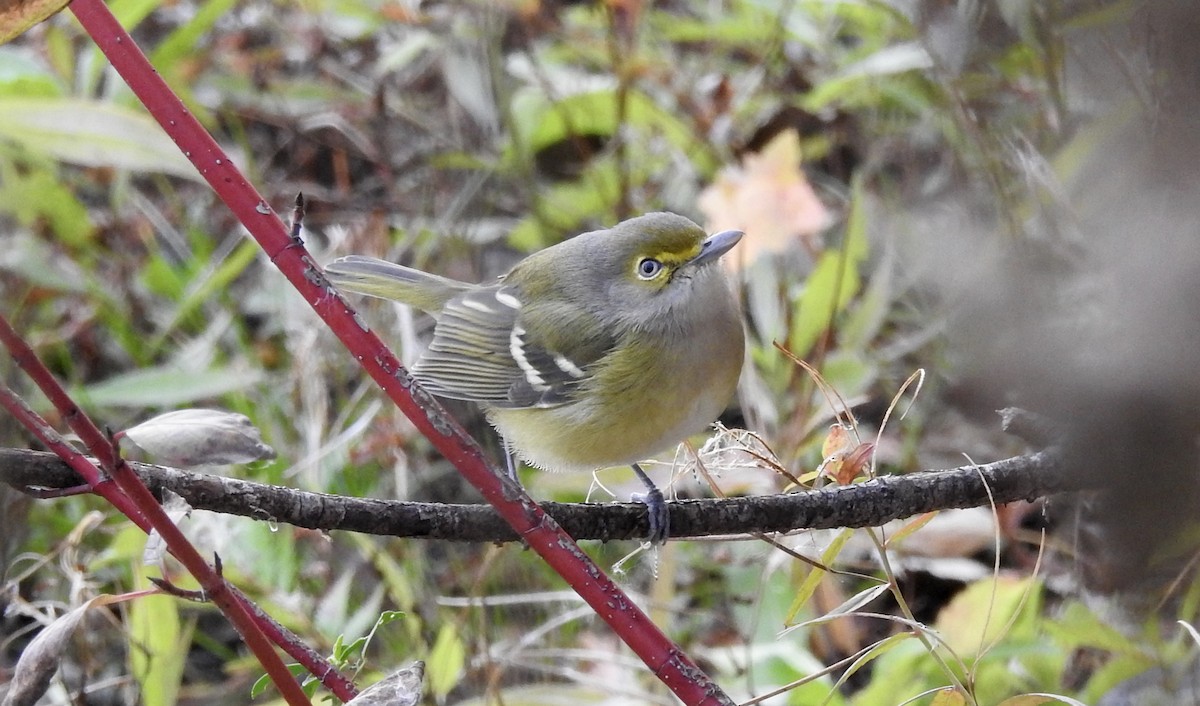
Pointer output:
543, 535
133, 499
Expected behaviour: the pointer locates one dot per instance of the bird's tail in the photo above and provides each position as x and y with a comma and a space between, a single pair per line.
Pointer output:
380, 278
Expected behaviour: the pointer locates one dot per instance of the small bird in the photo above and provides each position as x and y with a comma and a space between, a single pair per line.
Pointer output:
600, 351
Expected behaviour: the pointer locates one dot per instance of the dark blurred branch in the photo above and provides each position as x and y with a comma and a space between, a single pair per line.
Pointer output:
863, 505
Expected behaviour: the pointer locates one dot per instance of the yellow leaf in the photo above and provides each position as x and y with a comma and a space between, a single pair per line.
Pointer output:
949, 696
980, 614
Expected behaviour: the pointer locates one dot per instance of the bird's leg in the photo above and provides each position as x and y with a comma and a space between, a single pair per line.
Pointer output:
656, 507
510, 463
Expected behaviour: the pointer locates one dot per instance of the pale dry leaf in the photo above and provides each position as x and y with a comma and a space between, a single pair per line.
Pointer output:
403, 688
39, 661
952, 533
156, 547
769, 198
740, 459
199, 437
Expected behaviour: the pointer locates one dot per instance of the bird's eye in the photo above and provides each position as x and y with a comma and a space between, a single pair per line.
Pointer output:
648, 268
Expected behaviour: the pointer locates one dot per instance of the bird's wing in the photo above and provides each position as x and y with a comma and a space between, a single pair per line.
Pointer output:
485, 350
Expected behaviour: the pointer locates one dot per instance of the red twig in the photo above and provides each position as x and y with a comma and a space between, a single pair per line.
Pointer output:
543, 535
134, 499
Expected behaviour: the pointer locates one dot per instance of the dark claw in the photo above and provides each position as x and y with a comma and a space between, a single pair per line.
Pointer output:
656, 509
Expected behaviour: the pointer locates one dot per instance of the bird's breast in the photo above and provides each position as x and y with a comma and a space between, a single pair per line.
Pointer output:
650, 393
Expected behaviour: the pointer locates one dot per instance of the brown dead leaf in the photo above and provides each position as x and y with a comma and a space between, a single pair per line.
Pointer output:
845, 458
16, 16
770, 199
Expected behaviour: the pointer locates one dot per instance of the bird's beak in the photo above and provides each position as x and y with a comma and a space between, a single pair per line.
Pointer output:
716, 246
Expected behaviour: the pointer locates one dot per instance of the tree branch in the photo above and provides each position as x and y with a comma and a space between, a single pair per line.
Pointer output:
863, 505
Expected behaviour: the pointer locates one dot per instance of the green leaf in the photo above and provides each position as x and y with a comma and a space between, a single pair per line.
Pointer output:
92, 134
893, 59
162, 278
130, 13
897, 674
159, 641
566, 205
815, 575
1078, 627
849, 372
20, 75
34, 194
1114, 672
876, 651
869, 313
727, 33
873, 83
218, 280
260, 686
283, 569
61, 56
168, 386
446, 661
394, 574
833, 282
184, 40
298, 671
826, 291
541, 122
752, 27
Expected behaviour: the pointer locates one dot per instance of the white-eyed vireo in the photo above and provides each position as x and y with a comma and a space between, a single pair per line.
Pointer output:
603, 350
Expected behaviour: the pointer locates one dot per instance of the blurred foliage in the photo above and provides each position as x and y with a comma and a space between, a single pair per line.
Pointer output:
455, 137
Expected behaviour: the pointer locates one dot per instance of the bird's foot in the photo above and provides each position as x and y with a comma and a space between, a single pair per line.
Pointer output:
656, 508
